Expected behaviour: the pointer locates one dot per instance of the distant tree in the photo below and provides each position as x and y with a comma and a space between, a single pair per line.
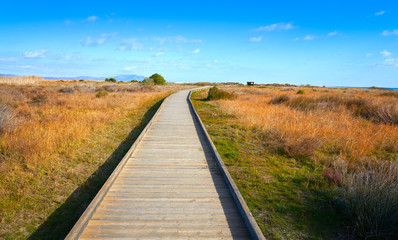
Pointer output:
158, 79
110, 80
134, 80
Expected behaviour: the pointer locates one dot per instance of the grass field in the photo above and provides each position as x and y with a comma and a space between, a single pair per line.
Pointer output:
59, 142
305, 160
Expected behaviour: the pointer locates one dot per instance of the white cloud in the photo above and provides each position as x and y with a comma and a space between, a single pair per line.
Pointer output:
215, 61
273, 27
389, 33
36, 54
8, 59
309, 37
334, 33
130, 44
98, 41
195, 51
91, 19
26, 66
158, 54
130, 68
175, 39
385, 53
369, 54
256, 39
380, 13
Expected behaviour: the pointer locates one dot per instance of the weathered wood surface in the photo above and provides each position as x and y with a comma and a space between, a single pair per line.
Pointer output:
169, 188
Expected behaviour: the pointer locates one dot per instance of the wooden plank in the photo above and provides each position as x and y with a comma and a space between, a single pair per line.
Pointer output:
169, 187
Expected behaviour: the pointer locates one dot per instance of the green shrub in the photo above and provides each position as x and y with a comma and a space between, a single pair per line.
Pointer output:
217, 94
110, 80
300, 91
134, 80
148, 81
101, 94
158, 79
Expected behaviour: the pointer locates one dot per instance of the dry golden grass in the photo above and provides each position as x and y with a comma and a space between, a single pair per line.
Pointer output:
42, 157
20, 80
331, 130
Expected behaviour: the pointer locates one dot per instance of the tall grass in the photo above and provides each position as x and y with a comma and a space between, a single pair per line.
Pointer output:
370, 195
47, 154
7, 118
20, 80
318, 123
371, 108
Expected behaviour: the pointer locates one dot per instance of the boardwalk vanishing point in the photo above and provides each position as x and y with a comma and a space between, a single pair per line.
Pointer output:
170, 185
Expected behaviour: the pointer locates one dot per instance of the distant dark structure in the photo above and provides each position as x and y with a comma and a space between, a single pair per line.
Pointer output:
250, 83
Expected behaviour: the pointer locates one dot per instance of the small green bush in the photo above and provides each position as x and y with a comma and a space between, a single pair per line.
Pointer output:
158, 79
110, 80
217, 94
301, 91
148, 81
134, 80
101, 94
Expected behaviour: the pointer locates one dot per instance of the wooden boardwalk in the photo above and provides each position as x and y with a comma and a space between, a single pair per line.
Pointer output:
169, 188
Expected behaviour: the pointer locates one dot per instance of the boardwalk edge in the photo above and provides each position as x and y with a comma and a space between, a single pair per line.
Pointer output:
247, 216
78, 228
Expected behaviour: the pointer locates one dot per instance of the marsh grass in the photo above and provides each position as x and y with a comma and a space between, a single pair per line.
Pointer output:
278, 147
58, 140
369, 192
20, 80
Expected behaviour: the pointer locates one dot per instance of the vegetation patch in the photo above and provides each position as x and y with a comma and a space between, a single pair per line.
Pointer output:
299, 160
217, 94
60, 152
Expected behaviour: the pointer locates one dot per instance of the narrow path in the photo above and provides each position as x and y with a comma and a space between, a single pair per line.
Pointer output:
170, 187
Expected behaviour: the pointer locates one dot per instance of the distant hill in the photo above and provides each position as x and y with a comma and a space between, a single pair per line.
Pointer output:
124, 78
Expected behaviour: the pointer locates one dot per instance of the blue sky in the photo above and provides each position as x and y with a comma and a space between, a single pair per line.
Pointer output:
332, 43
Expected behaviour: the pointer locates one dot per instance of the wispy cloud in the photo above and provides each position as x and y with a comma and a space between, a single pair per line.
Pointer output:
132, 68
256, 39
195, 51
274, 27
385, 53
89, 41
158, 54
130, 44
67, 22
36, 54
334, 33
380, 13
369, 54
175, 39
91, 19
389, 33
8, 59
309, 37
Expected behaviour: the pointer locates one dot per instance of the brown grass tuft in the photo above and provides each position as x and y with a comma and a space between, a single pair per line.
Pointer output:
20, 80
